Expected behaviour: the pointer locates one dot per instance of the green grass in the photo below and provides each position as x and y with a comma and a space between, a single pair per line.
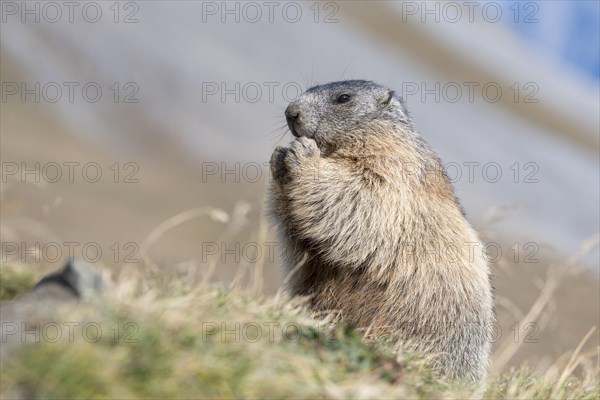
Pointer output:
14, 282
175, 342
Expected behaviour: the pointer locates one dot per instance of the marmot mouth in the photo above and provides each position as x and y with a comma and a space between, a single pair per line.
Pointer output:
292, 128
298, 130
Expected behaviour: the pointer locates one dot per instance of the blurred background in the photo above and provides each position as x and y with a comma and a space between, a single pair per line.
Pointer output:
118, 116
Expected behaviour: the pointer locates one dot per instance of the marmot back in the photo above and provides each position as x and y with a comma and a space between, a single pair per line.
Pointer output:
364, 198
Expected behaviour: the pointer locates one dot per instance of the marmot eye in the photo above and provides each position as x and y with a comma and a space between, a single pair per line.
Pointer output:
343, 98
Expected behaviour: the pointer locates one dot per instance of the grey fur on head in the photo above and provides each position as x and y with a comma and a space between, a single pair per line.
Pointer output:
325, 111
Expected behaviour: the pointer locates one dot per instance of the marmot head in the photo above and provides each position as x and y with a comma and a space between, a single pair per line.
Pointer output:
324, 112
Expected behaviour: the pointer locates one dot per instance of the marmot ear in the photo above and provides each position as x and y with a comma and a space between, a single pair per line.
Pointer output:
385, 98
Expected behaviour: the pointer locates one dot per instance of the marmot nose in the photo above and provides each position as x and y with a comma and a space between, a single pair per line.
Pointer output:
292, 113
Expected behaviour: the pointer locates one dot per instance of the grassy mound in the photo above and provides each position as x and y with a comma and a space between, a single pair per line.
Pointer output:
147, 339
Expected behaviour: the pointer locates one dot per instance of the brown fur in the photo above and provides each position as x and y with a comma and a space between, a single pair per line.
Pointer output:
386, 241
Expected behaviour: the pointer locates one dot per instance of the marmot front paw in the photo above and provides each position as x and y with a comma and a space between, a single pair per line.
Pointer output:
284, 160
279, 170
302, 148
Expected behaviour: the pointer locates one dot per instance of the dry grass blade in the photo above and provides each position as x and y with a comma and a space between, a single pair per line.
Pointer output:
176, 220
237, 221
509, 348
260, 263
573, 361
293, 271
